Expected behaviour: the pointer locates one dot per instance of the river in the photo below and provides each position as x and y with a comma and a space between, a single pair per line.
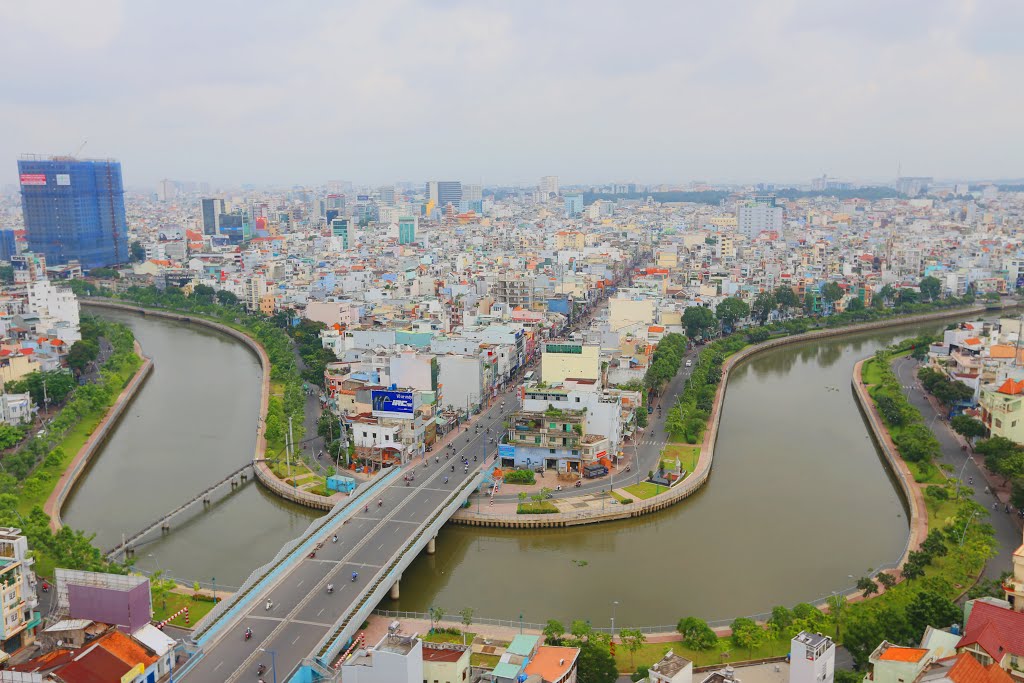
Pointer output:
192, 423
799, 503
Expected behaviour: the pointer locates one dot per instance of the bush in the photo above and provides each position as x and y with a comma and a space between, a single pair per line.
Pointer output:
520, 477
937, 492
625, 501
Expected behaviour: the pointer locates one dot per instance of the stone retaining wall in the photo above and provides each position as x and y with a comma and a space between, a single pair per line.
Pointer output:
702, 472
80, 462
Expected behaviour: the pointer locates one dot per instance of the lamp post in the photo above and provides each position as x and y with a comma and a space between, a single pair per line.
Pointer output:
273, 662
214, 580
963, 536
960, 477
615, 603
520, 623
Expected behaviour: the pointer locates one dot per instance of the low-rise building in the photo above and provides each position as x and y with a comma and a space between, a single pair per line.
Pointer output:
19, 617
446, 662
395, 659
552, 440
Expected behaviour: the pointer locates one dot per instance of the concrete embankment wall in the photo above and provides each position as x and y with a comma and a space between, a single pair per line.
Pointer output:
702, 472
99, 435
262, 470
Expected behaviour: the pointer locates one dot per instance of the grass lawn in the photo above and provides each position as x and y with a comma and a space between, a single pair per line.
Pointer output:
485, 661
925, 473
870, 372
197, 609
545, 507
645, 489
652, 652
449, 637
619, 497
687, 455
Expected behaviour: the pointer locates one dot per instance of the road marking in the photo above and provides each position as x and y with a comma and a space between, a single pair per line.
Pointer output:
300, 583
321, 611
296, 639
222, 664
381, 546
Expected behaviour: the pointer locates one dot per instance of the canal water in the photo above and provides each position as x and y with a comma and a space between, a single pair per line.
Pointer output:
799, 503
192, 423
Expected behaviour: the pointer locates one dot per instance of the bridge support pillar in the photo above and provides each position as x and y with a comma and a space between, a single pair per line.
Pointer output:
430, 546
395, 589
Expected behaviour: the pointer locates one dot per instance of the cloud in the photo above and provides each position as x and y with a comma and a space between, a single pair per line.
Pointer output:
376, 90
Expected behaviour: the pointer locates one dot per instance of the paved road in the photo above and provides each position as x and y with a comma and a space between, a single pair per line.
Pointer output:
302, 611
1008, 532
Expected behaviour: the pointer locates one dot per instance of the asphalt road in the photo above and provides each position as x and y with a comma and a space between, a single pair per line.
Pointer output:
303, 612
1008, 531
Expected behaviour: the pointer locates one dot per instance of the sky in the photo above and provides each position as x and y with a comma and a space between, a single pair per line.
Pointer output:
504, 92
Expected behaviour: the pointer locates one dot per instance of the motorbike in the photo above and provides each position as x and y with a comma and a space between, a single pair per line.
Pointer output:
260, 669
578, 484
269, 605
334, 539
248, 633
354, 576
330, 588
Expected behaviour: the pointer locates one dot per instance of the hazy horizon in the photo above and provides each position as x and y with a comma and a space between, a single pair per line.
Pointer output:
501, 94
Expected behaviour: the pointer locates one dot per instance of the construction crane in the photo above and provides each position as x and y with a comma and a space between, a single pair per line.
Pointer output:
80, 148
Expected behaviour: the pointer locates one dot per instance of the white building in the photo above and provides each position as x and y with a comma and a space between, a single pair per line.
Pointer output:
603, 410
395, 659
548, 186
57, 309
15, 409
754, 217
255, 288
812, 658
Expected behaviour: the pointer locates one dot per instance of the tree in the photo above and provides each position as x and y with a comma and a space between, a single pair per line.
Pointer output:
809, 302
81, 353
886, 579
641, 673
855, 306
929, 608
837, 607
467, 620
746, 633
832, 292
887, 293
58, 384
138, 251
781, 617
696, 633
730, 311
553, 631
226, 298
436, 615
6, 275
931, 287
595, 664
580, 630
10, 436
968, 427
632, 639
786, 297
698, 321
867, 584
764, 304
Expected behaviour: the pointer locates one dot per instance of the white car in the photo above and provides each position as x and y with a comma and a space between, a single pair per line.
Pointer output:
689, 362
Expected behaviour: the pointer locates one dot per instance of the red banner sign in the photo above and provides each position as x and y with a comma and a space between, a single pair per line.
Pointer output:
33, 178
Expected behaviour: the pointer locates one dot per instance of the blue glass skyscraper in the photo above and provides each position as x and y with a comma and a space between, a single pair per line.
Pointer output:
74, 210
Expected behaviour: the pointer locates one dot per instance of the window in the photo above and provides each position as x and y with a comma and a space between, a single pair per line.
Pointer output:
577, 399
551, 450
552, 425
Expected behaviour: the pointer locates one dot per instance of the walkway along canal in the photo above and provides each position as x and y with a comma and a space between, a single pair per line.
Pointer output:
192, 423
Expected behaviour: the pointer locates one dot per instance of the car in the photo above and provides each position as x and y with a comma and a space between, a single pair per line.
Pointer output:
689, 362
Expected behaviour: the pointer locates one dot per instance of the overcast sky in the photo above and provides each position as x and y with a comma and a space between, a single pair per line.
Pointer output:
504, 92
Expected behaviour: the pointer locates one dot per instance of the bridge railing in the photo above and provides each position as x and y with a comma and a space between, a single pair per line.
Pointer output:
330, 646
209, 625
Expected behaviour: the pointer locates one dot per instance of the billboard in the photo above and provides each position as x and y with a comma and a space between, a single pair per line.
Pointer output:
33, 178
392, 403
63, 179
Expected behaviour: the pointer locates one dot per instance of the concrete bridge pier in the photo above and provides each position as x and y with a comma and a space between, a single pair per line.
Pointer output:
430, 545
395, 589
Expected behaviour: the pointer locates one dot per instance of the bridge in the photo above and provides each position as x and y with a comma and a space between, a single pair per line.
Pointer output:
380, 532
125, 546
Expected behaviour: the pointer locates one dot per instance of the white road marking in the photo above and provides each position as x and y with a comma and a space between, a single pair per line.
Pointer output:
296, 639
300, 584
218, 666
380, 546
321, 611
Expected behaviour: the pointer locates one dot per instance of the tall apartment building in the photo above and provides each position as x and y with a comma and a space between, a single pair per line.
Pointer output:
212, 210
514, 290
407, 229
444, 192
386, 195
345, 229
548, 186
74, 210
573, 205
758, 215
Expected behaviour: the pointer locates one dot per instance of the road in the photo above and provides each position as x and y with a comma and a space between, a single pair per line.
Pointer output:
1008, 533
302, 611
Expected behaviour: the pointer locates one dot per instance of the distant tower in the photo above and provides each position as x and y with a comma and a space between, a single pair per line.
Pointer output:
812, 658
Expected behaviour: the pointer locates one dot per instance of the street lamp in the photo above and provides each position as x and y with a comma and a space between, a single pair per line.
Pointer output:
214, 580
273, 662
966, 524
520, 623
960, 477
615, 603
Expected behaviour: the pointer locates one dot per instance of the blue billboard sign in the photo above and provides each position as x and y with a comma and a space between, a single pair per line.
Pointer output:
392, 403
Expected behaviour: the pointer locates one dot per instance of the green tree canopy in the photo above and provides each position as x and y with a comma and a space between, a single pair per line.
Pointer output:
730, 311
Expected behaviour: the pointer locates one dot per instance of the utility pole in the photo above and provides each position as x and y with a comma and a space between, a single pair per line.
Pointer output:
288, 449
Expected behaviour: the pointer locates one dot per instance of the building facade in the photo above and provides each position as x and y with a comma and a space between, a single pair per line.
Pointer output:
74, 210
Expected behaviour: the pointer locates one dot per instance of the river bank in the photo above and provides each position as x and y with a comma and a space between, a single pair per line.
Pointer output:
587, 510
264, 473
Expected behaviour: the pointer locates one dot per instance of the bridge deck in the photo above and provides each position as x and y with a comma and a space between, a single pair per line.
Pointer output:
303, 614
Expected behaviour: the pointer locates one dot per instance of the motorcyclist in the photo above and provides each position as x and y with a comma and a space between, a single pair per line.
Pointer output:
380, 502
446, 479
355, 575
269, 603
248, 633
334, 539
330, 588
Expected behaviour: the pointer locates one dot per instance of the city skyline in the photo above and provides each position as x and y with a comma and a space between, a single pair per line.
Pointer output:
500, 95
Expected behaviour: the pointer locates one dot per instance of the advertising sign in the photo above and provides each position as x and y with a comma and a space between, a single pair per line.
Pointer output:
63, 179
392, 403
33, 178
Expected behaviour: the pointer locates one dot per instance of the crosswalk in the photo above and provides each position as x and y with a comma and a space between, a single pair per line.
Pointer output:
649, 442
